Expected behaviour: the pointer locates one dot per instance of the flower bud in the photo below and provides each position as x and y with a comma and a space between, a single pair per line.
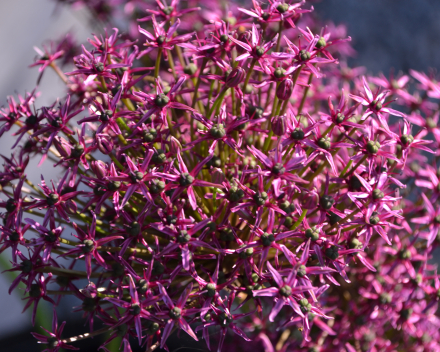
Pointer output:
309, 200
71, 206
235, 77
285, 89
175, 146
105, 144
99, 168
217, 176
62, 146
279, 125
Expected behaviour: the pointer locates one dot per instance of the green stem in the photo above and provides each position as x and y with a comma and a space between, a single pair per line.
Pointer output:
280, 31
157, 66
196, 88
171, 63
300, 219
218, 102
306, 91
357, 165
267, 141
248, 76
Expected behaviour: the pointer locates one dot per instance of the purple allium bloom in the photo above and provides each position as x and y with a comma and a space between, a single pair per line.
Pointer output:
208, 192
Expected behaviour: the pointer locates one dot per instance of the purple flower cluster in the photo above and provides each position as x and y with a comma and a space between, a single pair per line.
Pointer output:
221, 172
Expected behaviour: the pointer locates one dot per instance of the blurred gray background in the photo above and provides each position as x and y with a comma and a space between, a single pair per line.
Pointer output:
401, 34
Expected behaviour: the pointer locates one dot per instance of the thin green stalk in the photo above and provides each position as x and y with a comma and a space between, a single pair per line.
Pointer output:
218, 102
157, 66
248, 76
306, 91
171, 63
300, 219
357, 165
196, 88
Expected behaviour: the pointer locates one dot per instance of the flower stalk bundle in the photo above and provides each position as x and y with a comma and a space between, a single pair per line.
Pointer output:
223, 171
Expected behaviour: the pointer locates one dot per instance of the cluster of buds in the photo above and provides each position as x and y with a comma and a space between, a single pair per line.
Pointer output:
224, 173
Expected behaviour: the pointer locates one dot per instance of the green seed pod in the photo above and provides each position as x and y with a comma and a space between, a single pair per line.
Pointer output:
283, 7
279, 72
324, 143
340, 118
355, 244
374, 219
235, 194
256, 111
113, 185
211, 289
52, 199
405, 254
304, 55
385, 298
89, 246
218, 131
183, 237
259, 51
302, 271
326, 202
305, 306
312, 233
260, 198
332, 252
175, 313
288, 221
267, 239
161, 100
297, 134
378, 194
161, 39
186, 179
406, 139
320, 43
190, 69
226, 235
149, 135
373, 147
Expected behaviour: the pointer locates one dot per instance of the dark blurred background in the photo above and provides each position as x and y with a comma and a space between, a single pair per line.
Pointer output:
399, 34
